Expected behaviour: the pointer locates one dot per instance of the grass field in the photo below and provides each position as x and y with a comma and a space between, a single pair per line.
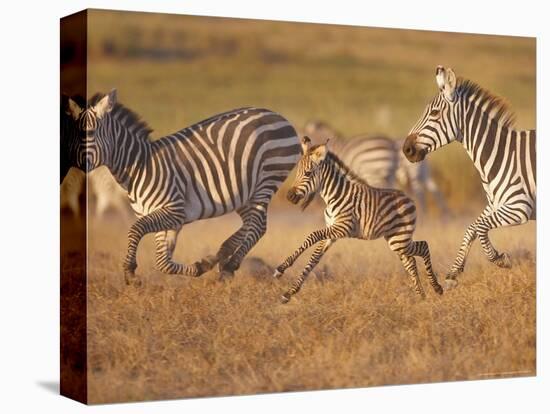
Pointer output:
356, 322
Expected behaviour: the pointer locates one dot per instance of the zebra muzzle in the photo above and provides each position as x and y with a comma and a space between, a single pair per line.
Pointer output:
411, 151
293, 196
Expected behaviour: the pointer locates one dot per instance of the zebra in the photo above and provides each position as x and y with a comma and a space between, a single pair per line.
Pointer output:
234, 161
354, 209
505, 157
108, 194
378, 160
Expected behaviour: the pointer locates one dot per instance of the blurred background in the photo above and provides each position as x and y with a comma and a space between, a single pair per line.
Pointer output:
176, 70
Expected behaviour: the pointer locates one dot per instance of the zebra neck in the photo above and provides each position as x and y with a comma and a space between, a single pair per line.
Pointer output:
128, 158
335, 182
484, 142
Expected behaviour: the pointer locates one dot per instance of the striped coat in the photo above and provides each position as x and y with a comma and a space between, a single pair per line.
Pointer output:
234, 161
505, 157
354, 209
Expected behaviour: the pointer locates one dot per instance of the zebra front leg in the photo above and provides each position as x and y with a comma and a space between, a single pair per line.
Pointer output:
502, 217
332, 232
166, 243
320, 250
166, 218
460, 261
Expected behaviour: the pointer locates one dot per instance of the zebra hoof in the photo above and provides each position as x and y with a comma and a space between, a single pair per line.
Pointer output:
205, 265
503, 261
132, 280
450, 283
278, 273
225, 275
438, 289
285, 298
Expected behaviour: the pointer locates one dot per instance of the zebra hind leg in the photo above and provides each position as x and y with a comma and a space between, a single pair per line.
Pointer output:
254, 227
320, 250
422, 250
410, 266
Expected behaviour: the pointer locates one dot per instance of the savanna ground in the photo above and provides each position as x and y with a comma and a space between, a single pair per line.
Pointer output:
356, 321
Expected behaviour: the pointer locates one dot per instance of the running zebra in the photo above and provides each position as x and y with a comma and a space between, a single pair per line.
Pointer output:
379, 161
233, 161
354, 209
504, 157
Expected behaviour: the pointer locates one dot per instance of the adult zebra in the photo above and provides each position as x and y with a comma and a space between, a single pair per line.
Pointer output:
234, 161
504, 157
378, 160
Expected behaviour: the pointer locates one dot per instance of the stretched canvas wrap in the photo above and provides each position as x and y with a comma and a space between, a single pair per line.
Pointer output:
256, 206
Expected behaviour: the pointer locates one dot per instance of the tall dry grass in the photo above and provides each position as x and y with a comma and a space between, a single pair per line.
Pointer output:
356, 322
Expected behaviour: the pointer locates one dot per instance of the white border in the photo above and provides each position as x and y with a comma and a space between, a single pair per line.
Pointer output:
29, 224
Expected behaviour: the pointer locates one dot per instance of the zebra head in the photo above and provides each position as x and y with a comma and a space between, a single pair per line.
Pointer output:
307, 181
87, 141
438, 124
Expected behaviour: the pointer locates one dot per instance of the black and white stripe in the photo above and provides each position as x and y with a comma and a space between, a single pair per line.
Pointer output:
233, 161
504, 157
354, 209
379, 161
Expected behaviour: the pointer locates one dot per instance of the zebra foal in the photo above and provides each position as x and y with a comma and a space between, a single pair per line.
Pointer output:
234, 161
354, 209
505, 157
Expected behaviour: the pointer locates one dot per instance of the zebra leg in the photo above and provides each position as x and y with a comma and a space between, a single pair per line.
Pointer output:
410, 266
319, 251
166, 218
166, 243
500, 218
467, 240
255, 225
333, 232
406, 250
421, 249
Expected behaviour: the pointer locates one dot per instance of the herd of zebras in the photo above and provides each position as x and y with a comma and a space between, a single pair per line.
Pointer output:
237, 160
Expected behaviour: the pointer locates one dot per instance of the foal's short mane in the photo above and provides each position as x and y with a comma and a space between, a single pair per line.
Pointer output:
127, 117
496, 105
343, 168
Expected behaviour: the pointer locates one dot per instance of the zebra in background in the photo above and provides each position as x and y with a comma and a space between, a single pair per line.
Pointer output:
102, 187
379, 161
234, 161
357, 210
504, 157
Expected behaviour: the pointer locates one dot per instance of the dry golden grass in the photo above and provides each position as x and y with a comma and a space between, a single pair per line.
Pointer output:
355, 323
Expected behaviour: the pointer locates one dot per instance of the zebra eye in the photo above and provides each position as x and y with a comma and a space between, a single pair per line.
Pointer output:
308, 174
434, 112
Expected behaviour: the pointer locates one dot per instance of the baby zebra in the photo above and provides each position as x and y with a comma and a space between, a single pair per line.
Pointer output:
354, 209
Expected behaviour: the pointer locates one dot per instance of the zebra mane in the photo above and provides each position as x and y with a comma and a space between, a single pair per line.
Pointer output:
497, 107
343, 168
128, 118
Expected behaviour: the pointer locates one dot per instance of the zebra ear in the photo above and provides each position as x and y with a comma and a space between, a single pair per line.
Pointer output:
105, 104
71, 107
305, 144
440, 77
446, 82
450, 84
319, 154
